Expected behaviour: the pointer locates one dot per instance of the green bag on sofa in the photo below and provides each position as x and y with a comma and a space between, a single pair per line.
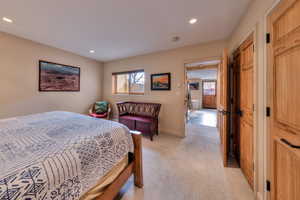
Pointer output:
101, 107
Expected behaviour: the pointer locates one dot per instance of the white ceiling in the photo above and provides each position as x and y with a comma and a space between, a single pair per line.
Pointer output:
204, 74
120, 28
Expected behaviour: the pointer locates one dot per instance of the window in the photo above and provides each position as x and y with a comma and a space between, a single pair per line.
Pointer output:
132, 82
209, 88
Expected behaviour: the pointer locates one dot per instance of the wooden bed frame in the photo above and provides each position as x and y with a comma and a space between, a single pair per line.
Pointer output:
135, 167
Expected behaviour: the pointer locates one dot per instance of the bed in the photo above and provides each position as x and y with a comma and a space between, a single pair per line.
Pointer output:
62, 155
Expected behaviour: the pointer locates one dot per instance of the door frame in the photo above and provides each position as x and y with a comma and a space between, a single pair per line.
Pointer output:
254, 93
223, 105
185, 83
267, 135
257, 99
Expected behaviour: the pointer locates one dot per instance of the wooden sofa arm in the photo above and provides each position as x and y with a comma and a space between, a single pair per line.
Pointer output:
108, 112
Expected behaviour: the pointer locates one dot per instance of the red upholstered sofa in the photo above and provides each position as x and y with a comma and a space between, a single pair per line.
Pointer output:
140, 116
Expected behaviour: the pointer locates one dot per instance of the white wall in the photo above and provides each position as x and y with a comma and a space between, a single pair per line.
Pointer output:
19, 75
172, 114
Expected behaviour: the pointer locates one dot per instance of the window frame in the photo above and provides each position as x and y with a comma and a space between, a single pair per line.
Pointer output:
115, 79
209, 81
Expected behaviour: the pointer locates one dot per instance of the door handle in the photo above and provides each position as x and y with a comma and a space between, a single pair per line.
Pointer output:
223, 112
289, 144
240, 113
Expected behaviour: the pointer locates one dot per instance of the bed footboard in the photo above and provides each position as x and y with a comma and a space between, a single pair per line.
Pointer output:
138, 159
134, 167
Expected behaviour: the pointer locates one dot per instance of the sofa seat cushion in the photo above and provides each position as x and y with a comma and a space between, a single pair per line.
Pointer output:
137, 118
104, 115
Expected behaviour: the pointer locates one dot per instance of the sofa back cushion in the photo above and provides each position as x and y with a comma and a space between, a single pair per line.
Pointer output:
101, 107
146, 110
140, 109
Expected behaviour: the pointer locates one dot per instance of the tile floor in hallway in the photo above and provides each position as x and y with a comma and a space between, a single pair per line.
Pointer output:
187, 168
205, 117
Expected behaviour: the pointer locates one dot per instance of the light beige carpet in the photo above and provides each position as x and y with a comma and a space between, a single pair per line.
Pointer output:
187, 169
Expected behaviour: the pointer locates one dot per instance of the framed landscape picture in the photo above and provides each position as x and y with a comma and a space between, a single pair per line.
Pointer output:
161, 81
54, 77
194, 86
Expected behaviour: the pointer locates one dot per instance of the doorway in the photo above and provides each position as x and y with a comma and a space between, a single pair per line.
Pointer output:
221, 68
202, 93
221, 88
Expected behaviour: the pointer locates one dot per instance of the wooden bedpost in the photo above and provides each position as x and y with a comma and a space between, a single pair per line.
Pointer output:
138, 159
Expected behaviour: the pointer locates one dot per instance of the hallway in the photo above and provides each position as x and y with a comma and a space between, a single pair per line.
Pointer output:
204, 117
187, 168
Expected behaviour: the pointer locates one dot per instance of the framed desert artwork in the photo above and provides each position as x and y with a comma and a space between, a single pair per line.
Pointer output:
54, 77
161, 81
194, 86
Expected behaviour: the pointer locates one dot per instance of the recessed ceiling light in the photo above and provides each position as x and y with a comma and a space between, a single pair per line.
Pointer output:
193, 21
92, 51
7, 20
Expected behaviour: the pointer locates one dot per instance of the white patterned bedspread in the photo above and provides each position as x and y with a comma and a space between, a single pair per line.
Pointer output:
57, 155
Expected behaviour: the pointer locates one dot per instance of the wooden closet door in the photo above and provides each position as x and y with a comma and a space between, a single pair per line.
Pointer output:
284, 100
246, 107
235, 106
